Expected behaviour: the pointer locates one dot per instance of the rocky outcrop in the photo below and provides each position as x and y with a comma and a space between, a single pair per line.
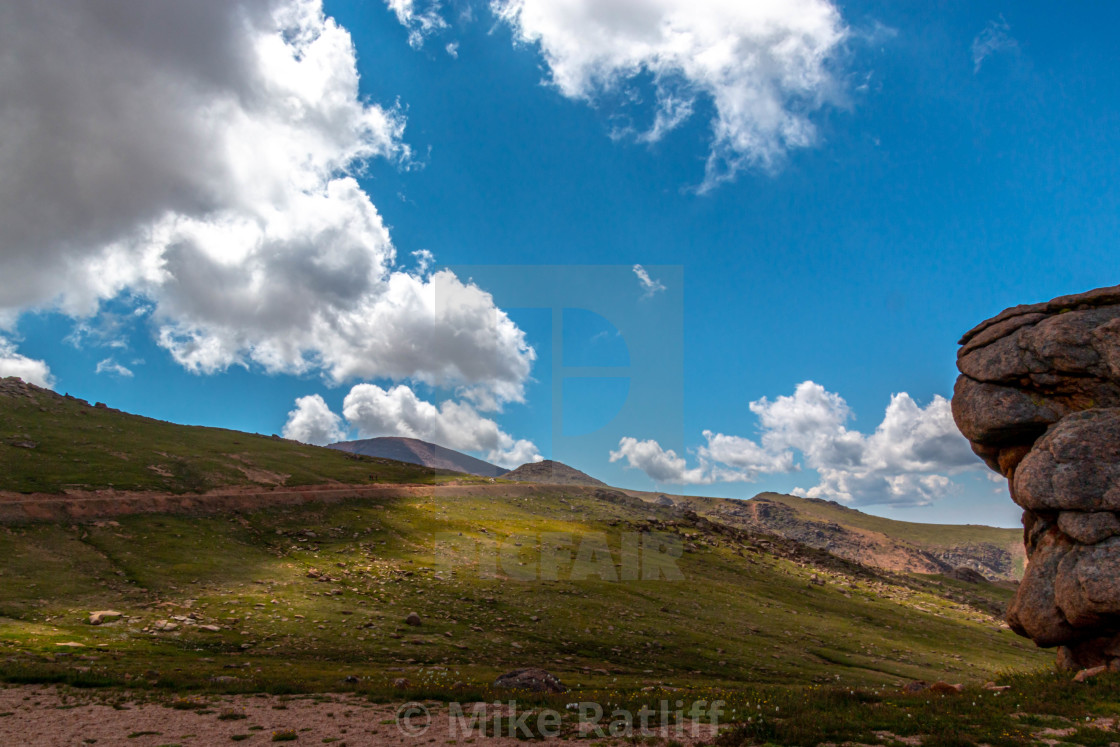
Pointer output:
531, 679
1039, 399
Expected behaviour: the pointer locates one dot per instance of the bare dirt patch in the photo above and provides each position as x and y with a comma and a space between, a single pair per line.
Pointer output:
41, 715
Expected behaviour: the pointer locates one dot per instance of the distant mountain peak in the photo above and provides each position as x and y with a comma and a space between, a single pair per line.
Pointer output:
415, 451
552, 473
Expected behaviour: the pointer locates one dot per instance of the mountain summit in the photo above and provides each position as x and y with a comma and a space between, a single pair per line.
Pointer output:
552, 473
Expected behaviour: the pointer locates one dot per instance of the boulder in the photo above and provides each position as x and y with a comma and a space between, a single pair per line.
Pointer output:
103, 616
531, 679
1039, 400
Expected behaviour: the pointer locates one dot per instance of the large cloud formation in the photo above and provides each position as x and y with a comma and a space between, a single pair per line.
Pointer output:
764, 67
399, 411
907, 460
200, 157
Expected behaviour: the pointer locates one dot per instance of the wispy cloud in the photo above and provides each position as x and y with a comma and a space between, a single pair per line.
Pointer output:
421, 22
996, 37
110, 366
650, 286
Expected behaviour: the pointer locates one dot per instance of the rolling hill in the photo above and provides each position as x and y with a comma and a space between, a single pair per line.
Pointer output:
415, 451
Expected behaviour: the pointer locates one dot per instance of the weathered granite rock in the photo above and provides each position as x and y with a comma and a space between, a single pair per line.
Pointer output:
1089, 528
1034, 612
1087, 584
1039, 400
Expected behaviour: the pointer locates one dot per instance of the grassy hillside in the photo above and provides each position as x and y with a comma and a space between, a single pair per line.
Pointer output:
755, 618
50, 444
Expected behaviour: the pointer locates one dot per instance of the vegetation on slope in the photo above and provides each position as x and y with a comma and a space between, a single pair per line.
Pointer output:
261, 579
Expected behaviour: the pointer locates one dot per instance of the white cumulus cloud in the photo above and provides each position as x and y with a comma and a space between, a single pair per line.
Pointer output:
313, 422
907, 460
29, 369
198, 159
664, 465
764, 67
398, 411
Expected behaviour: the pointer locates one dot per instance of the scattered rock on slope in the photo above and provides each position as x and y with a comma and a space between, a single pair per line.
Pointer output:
1039, 399
531, 679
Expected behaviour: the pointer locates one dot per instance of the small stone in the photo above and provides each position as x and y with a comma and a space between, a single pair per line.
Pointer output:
1088, 674
413, 619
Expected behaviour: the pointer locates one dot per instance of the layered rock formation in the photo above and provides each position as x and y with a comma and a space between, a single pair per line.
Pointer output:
1039, 399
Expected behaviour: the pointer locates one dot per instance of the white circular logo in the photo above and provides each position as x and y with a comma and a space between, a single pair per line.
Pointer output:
413, 719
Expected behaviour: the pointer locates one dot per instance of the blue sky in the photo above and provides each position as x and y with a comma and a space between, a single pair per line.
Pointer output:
250, 236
